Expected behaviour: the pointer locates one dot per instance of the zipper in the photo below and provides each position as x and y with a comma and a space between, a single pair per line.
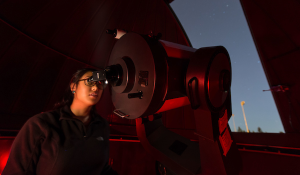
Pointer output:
84, 130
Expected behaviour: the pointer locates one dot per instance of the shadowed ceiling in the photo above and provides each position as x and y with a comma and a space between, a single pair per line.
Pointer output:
44, 42
275, 27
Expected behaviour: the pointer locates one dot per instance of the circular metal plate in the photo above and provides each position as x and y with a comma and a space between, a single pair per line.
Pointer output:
134, 47
217, 95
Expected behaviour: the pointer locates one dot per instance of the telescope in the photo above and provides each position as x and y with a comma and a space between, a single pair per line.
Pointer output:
149, 76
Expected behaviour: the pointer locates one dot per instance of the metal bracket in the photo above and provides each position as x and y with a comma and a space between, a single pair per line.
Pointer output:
120, 114
278, 88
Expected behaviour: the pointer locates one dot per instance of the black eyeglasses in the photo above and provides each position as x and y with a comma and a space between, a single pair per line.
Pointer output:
91, 83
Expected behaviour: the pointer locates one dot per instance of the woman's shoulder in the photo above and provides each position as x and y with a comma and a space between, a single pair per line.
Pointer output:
48, 116
42, 122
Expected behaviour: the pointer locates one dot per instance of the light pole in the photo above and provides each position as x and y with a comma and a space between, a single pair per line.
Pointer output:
233, 123
242, 104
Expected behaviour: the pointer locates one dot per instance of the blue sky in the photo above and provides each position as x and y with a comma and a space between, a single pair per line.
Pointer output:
222, 22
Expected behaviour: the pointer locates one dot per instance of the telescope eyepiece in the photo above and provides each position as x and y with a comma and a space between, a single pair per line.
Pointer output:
114, 74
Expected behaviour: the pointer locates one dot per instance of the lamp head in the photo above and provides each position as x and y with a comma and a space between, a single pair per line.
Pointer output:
242, 103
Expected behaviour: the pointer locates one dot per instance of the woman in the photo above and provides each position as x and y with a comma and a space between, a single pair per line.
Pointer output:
72, 139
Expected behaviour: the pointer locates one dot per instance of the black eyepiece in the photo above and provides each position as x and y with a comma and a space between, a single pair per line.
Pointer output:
114, 74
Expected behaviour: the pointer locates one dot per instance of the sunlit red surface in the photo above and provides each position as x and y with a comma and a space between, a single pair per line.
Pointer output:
174, 103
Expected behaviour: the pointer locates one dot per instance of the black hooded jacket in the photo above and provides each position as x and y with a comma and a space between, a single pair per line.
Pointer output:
56, 143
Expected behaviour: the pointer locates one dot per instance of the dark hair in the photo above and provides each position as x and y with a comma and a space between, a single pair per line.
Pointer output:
68, 96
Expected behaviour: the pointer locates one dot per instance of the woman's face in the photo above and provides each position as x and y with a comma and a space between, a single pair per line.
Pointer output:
86, 94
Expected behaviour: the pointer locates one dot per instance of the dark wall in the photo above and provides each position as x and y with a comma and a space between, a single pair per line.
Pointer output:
130, 158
